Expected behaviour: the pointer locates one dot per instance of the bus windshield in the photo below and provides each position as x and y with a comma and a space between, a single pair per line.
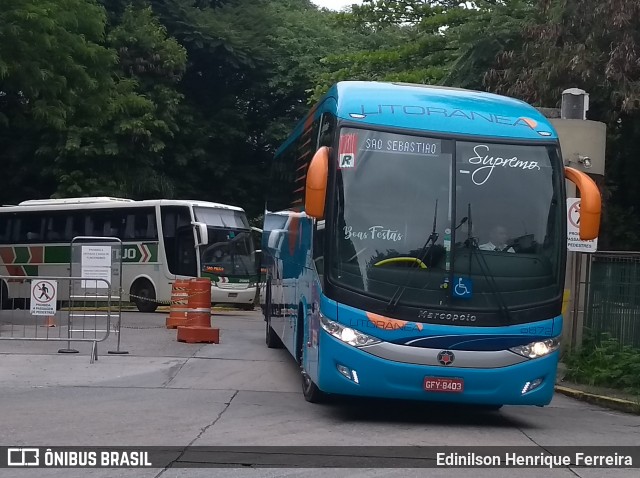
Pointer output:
230, 250
399, 226
229, 253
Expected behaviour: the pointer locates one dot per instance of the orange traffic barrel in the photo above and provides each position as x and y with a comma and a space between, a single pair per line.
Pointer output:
197, 328
179, 303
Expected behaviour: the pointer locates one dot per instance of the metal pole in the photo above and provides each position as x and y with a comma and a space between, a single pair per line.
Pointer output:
576, 302
120, 291
69, 350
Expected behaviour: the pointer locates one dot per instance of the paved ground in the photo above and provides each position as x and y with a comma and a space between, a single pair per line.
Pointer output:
238, 392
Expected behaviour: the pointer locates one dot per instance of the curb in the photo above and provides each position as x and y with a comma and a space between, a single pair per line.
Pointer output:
619, 404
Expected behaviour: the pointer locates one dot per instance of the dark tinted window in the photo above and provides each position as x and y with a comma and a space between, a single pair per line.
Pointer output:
29, 228
393, 193
108, 222
179, 243
5, 228
56, 227
140, 225
63, 226
509, 197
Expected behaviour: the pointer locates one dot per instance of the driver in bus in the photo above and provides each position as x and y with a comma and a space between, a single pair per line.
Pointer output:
497, 240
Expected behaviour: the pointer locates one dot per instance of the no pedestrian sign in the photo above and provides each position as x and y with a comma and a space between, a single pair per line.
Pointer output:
44, 294
574, 243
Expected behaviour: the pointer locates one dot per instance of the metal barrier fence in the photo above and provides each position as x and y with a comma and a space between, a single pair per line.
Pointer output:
58, 309
99, 257
613, 296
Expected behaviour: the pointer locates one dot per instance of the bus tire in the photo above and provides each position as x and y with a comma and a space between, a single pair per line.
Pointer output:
310, 390
5, 302
145, 295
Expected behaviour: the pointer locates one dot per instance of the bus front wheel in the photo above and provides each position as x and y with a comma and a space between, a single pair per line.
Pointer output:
311, 391
144, 296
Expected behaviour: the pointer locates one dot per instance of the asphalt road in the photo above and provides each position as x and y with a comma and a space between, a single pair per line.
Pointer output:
239, 393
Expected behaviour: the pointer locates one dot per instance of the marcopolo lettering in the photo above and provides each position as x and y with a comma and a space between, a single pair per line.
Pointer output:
446, 316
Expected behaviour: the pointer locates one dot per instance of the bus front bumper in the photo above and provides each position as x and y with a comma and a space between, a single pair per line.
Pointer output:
232, 296
380, 378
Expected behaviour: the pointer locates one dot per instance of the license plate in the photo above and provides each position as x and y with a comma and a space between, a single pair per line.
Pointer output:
440, 384
233, 294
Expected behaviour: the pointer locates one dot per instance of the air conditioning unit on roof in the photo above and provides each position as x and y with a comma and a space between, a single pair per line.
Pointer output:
80, 200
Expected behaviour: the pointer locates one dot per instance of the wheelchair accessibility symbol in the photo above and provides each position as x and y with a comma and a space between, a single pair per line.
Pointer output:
463, 288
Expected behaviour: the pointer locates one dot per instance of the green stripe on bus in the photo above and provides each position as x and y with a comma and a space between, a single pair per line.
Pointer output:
57, 254
30, 270
22, 255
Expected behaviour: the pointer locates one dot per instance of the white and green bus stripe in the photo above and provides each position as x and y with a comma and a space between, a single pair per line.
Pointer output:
25, 260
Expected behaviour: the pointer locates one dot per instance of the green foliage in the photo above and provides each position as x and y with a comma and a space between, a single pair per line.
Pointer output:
51, 60
486, 32
602, 361
120, 151
189, 98
593, 45
427, 41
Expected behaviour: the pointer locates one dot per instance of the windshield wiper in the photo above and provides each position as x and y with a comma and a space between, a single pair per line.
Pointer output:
484, 267
431, 240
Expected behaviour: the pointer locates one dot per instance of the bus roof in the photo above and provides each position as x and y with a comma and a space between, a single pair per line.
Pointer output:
102, 202
434, 109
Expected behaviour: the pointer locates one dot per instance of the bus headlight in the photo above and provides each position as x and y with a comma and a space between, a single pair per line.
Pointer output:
347, 334
537, 349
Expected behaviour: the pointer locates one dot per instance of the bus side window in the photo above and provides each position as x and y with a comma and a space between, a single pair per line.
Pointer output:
140, 225
30, 228
116, 222
55, 231
327, 129
318, 248
130, 226
146, 225
5, 228
75, 226
95, 225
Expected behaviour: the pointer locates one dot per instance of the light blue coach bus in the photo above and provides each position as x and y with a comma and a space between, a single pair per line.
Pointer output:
415, 245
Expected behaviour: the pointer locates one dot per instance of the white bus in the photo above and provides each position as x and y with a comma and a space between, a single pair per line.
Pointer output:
163, 240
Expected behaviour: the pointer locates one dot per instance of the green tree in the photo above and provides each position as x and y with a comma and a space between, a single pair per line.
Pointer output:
53, 67
427, 41
121, 151
590, 44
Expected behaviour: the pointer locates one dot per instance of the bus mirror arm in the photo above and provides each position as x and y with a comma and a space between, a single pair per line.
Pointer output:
316, 185
590, 203
202, 234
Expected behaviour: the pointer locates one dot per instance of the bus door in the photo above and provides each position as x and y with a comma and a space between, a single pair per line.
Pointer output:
179, 241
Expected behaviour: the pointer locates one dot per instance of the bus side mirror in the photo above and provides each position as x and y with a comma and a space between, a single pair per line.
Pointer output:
316, 187
590, 203
202, 234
